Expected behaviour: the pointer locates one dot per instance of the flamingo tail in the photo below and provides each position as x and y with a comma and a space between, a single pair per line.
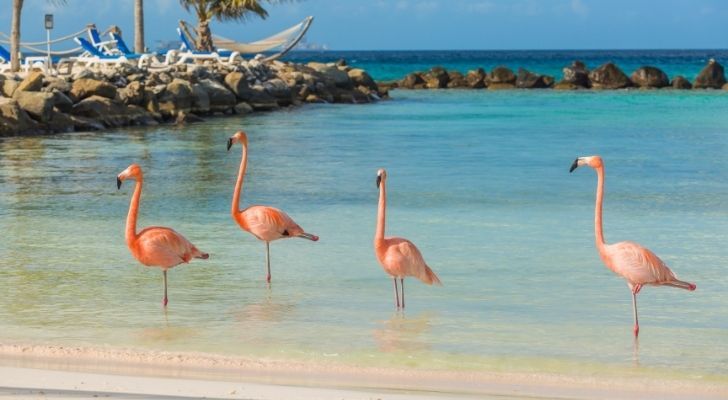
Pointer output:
309, 236
429, 277
682, 285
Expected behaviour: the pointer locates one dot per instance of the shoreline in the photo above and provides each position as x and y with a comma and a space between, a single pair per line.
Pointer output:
42, 360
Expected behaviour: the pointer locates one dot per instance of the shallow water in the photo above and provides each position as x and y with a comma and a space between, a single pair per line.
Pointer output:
478, 180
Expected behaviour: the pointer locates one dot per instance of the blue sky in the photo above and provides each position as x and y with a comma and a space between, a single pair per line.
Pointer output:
427, 24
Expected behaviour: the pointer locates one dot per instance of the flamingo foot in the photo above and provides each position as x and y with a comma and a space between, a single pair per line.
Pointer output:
636, 330
267, 279
165, 301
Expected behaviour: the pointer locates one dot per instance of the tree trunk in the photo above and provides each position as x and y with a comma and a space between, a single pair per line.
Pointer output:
204, 36
15, 36
139, 26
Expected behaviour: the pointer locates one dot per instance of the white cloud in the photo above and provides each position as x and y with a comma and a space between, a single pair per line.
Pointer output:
579, 8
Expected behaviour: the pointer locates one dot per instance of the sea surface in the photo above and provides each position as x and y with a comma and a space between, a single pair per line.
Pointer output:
478, 180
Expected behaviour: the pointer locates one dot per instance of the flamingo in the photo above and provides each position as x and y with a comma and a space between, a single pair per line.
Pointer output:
265, 223
155, 246
399, 257
636, 264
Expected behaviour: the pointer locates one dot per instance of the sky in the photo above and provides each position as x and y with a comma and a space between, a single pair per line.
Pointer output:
423, 24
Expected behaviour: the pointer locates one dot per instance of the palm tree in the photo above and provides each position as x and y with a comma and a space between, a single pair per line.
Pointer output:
222, 10
15, 33
139, 26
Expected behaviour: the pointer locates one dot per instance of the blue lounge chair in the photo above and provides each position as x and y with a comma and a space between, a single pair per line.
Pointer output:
92, 55
187, 52
4, 54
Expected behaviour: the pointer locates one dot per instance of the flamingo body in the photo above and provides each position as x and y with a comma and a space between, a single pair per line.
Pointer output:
154, 246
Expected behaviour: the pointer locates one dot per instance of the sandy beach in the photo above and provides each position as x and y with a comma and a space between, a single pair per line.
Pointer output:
39, 371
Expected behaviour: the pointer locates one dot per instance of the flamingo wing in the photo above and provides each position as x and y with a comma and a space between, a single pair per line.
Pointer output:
268, 223
638, 264
160, 246
402, 258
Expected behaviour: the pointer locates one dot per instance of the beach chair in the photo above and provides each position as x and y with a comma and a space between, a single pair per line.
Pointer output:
93, 56
187, 52
108, 47
28, 62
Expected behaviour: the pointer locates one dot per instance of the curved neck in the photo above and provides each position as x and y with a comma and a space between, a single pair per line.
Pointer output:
598, 229
235, 207
131, 218
381, 211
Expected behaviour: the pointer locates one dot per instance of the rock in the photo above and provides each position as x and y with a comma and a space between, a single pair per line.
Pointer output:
500, 76
437, 78
608, 76
59, 84
38, 105
501, 86
650, 77
260, 105
133, 93
82, 124
278, 89
361, 78
562, 85
243, 108
575, 74
135, 77
457, 80
679, 82
9, 86
62, 102
200, 99
112, 113
476, 79
711, 77
412, 81
237, 82
529, 80
84, 73
331, 72
14, 120
60, 122
312, 98
32, 83
221, 99
176, 97
187, 118
84, 88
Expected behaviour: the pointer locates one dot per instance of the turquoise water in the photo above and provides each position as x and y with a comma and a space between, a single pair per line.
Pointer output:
478, 180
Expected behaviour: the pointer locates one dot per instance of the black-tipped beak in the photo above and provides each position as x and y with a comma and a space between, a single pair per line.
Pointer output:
379, 181
229, 143
118, 183
574, 165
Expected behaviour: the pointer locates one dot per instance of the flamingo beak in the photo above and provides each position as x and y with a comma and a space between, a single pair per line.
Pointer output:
379, 181
229, 143
574, 165
118, 183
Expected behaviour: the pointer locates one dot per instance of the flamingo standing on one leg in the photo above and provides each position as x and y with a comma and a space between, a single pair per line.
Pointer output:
399, 257
155, 246
636, 264
265, 223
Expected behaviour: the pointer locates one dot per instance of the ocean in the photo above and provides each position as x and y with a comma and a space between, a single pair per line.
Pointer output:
478, 180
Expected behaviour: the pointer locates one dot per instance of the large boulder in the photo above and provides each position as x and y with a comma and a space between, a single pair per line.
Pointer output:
32, 83
650, 77
133, 93
333, 73
9, 86
221, 99
476, 79
60, 84
112, 113
14, 121
87, 87
361, 78
412, 81
457, 80
711, 77
200, 99
680, 82
575, 76
176, 97
608, 76
279, 90
529, 80
256, 95
62, 102
60, 122
38, 105
436, 78
501, 76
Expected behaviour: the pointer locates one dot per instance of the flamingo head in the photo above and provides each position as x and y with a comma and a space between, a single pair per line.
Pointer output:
133, 171
381, 176
593, 161
238, 137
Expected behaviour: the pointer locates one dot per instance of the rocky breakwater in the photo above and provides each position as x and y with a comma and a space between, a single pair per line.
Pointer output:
575, 76
128, 96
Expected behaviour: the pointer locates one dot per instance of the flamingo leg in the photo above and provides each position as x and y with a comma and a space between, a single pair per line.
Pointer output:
635, 290
164, 300
401, 281
267, 260
396, 292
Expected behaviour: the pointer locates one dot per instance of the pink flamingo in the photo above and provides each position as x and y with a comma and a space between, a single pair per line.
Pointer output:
636, 264
265, 223
155, 246
399, 257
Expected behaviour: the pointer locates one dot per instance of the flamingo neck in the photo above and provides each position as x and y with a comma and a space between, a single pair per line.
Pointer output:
131, 218
235, 207
598, 228
381, 212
